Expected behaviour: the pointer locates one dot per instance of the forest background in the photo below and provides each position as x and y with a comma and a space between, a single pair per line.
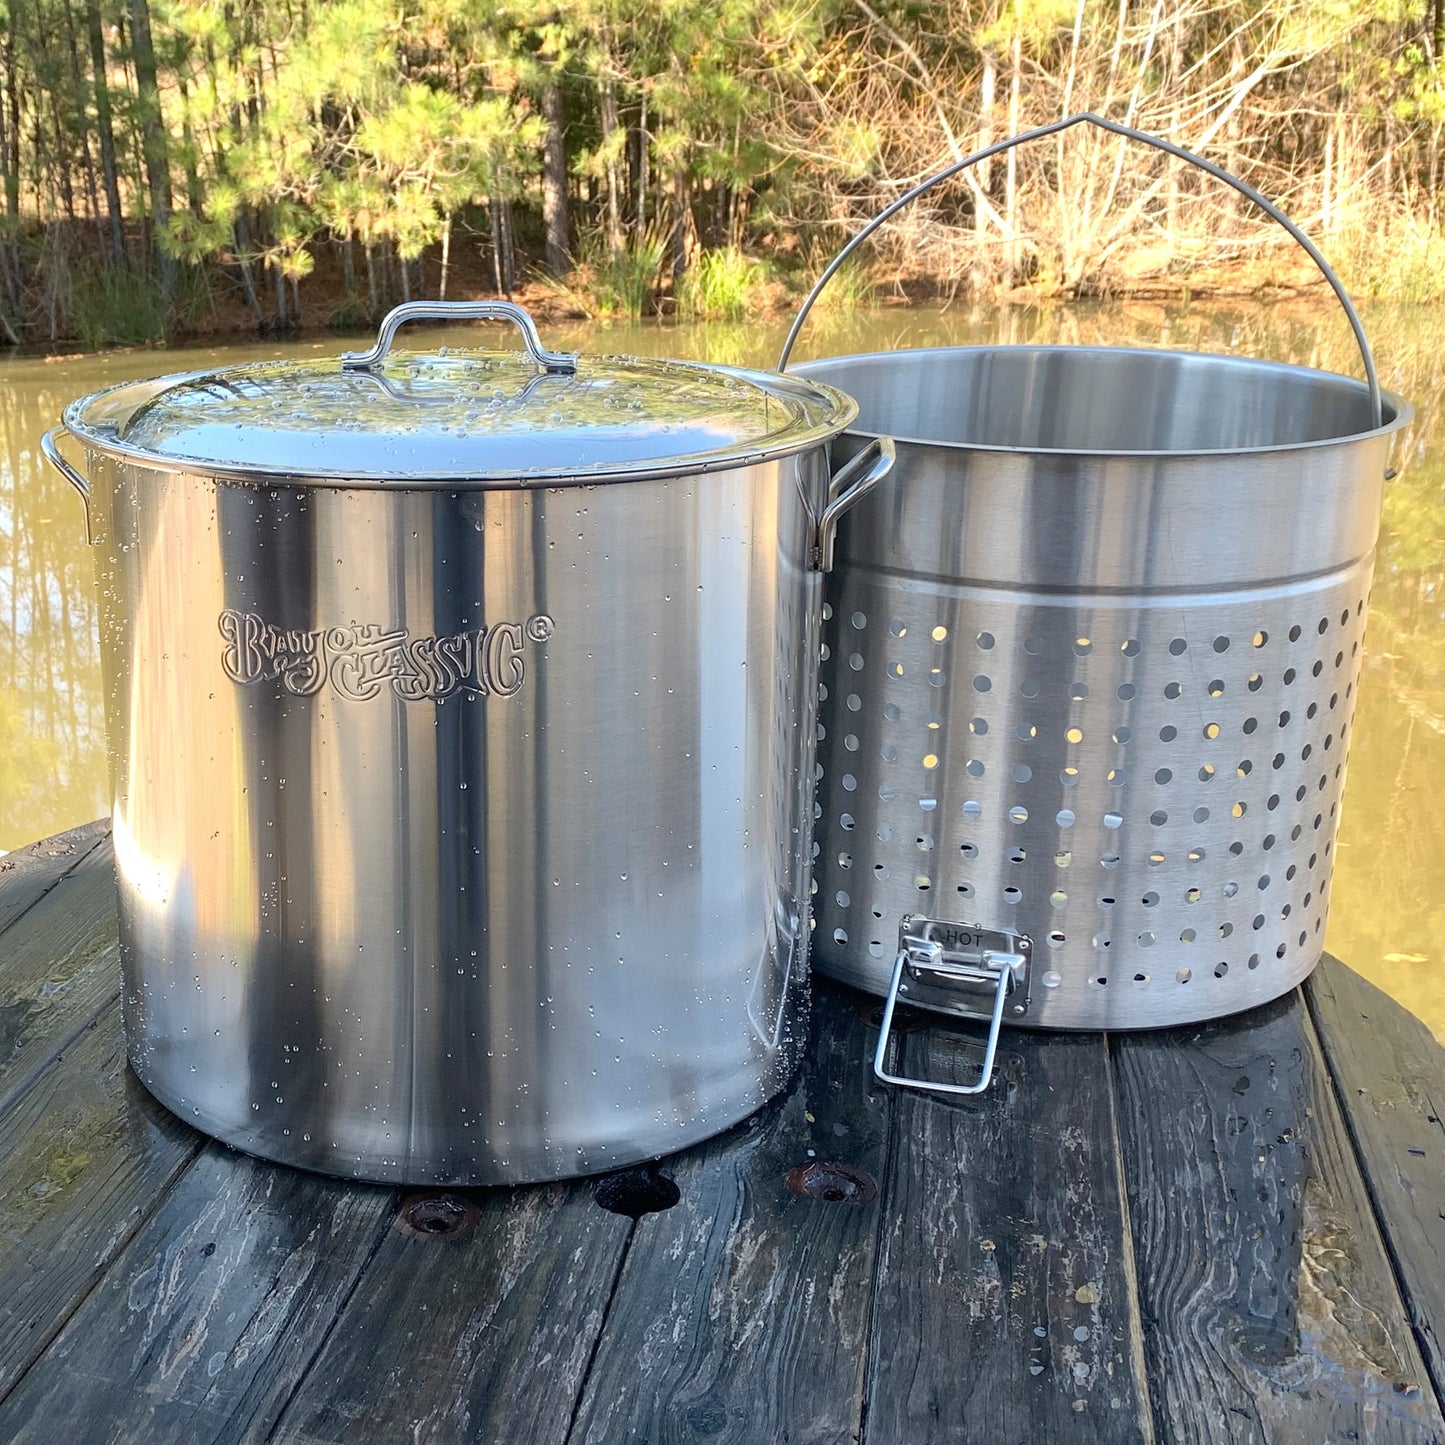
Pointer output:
182, 166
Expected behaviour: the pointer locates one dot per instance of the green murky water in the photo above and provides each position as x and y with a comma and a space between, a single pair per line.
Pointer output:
1388, 918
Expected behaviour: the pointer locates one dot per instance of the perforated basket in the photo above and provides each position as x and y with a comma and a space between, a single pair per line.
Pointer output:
1090, 659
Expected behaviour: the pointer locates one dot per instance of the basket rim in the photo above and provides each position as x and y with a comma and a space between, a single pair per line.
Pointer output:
1403, 411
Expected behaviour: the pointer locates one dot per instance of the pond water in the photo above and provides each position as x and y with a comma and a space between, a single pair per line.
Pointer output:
1388, 916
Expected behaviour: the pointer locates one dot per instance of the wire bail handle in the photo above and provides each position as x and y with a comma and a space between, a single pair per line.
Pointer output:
1117, 128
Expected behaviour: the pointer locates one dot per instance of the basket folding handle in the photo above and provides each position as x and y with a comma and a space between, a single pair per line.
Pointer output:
1118, 128
958, 969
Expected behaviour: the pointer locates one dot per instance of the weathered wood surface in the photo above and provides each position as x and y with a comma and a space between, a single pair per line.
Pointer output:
1270, 1309
59, 966
200, 1331
483, 1338
1387, 1070
1003, 1311
742, 1314
1228, 1233
86, 1157
27, 874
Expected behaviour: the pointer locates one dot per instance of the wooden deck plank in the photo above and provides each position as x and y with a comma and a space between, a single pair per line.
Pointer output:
1003, 1306
741, 1314
1270, 1312
87, 1156
59, 966
1389, 1073
199, 1332
27, 874
482, 1338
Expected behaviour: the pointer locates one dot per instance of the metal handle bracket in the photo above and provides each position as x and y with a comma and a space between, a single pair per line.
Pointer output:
559, 363
50, 450
966, 971
848, 486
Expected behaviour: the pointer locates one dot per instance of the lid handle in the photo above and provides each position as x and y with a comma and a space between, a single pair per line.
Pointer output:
557, 362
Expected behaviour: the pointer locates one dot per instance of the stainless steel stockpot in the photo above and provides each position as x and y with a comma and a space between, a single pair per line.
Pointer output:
461, 712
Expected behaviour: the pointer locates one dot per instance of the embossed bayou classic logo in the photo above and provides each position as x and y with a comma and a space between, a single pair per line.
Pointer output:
361, 660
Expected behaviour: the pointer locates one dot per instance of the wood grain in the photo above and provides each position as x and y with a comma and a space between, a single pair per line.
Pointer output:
59, 966
742, 1313
87, 1156
200, 1330
1270, 1311
1389, 1073
29, 873
481, 1339
1003, 1310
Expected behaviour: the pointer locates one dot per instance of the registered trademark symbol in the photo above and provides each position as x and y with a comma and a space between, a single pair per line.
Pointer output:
540, 627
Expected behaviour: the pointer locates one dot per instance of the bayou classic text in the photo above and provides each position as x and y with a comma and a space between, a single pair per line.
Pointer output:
362, 659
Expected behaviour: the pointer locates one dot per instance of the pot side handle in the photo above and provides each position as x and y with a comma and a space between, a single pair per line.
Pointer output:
849, 484
50, 450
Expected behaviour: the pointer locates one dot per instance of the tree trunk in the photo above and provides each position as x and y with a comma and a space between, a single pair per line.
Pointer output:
554, 183
1010, 209
243, 247
62, 160
446, 258
10, 160
494, 219
607, 110
681, 219
644, 142
509, 250
92, 190
153, 139
195, 192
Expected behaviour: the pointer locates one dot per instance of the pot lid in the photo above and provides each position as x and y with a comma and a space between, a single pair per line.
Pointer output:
438, 418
